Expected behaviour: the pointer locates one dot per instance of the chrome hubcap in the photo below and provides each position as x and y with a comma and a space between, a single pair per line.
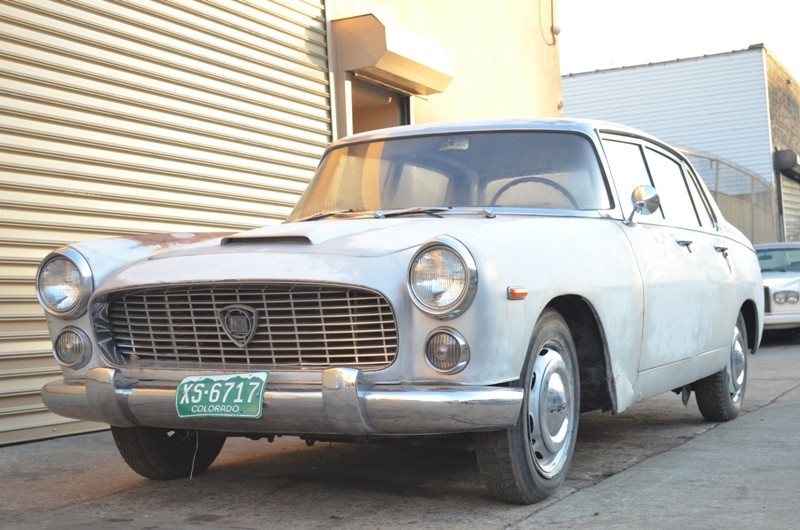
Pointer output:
737, 366
550, 413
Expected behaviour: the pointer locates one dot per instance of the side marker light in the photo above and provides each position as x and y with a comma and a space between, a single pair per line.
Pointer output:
517, 293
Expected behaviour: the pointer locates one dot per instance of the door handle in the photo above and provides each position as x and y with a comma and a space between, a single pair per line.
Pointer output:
722, 250
685, 243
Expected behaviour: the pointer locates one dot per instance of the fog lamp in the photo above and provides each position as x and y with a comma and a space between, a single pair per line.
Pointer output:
72, 348
447, 351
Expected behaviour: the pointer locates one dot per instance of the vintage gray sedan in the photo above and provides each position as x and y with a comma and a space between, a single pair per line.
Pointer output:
493, 278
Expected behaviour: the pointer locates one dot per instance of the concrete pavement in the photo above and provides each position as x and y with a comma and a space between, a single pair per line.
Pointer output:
740, 474
657, 465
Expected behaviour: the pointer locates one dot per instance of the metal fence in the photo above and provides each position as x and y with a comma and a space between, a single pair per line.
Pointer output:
746, 199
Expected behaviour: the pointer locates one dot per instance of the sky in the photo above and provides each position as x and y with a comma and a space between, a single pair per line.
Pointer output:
601, 34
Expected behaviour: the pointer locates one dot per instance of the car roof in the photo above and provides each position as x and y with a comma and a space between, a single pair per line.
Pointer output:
586, 126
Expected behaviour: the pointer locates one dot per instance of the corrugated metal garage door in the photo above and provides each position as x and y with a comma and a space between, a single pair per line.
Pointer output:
790, 190
141, 116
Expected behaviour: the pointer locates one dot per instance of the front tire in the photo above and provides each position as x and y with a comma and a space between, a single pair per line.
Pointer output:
163, 454
529, 462
719, 396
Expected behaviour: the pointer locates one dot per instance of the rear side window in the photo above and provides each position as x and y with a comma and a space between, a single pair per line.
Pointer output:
668, 178
700, 199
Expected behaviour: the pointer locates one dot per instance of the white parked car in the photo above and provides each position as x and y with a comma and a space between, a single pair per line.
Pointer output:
780, 268
494, 278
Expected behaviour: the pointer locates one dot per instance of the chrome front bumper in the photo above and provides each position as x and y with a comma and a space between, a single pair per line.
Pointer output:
344, 405
776, 321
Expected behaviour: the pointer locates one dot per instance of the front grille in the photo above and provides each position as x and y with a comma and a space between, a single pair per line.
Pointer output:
767, 300
297, 326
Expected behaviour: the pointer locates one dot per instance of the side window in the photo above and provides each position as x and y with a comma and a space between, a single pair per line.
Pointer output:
629, 171
668, 178
700, 199
683, 202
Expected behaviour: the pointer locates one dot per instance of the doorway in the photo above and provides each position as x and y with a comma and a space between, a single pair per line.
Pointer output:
376, 107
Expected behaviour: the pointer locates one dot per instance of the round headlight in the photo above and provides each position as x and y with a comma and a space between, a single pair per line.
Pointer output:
442, 278
779, 297
64, 283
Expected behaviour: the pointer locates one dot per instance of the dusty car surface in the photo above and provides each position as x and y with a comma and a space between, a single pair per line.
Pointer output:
780, 268
493, 278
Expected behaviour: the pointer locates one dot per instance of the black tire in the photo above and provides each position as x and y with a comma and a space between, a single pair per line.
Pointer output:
719, 396
529, 462
163, 454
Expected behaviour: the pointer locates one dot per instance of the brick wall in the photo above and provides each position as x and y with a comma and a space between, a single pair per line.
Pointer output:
784, 106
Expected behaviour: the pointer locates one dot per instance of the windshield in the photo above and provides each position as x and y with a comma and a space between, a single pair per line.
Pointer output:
530, 169
779, 259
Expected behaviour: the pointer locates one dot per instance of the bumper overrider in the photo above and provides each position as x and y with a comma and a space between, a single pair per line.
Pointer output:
344, 405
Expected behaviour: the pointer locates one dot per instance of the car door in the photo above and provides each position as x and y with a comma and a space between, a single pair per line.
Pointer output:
687, 286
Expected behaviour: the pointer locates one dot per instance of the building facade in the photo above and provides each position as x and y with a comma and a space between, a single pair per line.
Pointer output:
139, 117
731, 112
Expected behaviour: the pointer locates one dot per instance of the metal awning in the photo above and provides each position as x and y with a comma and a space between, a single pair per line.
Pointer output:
788, 163
391, 56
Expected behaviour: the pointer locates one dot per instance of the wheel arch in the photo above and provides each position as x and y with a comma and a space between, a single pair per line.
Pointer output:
749, 311
590, 345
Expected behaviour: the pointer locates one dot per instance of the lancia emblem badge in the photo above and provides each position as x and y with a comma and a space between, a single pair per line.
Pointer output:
239, 322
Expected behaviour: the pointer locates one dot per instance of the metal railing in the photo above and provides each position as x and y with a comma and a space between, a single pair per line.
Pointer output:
746, 199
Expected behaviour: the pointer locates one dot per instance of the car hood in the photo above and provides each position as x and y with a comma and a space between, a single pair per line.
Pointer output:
355, 237
328, 250
779, 280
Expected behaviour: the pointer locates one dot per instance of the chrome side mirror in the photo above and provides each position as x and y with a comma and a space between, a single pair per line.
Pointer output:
645, 201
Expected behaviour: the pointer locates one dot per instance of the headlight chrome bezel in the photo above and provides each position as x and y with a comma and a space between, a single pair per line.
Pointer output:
79, 307
785, 297
470, 271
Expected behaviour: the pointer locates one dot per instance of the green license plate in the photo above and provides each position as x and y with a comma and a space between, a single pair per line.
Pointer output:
230, 396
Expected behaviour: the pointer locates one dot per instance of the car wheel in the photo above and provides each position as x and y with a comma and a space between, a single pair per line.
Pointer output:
719, 396
163, 454
529, 462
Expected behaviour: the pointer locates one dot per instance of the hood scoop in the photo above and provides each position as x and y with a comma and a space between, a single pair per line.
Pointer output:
299, 234
265, 239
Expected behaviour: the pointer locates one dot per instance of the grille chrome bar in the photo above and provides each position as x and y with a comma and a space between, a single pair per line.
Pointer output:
298, 325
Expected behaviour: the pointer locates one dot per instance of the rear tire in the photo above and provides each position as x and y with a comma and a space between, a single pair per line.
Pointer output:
719, 396
529, 462
163, 454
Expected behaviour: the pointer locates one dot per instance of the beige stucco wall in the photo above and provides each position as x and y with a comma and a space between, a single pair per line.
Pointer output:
505, 55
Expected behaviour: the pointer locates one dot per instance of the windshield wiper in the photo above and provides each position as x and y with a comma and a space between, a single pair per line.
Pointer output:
426, 210
324, 215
